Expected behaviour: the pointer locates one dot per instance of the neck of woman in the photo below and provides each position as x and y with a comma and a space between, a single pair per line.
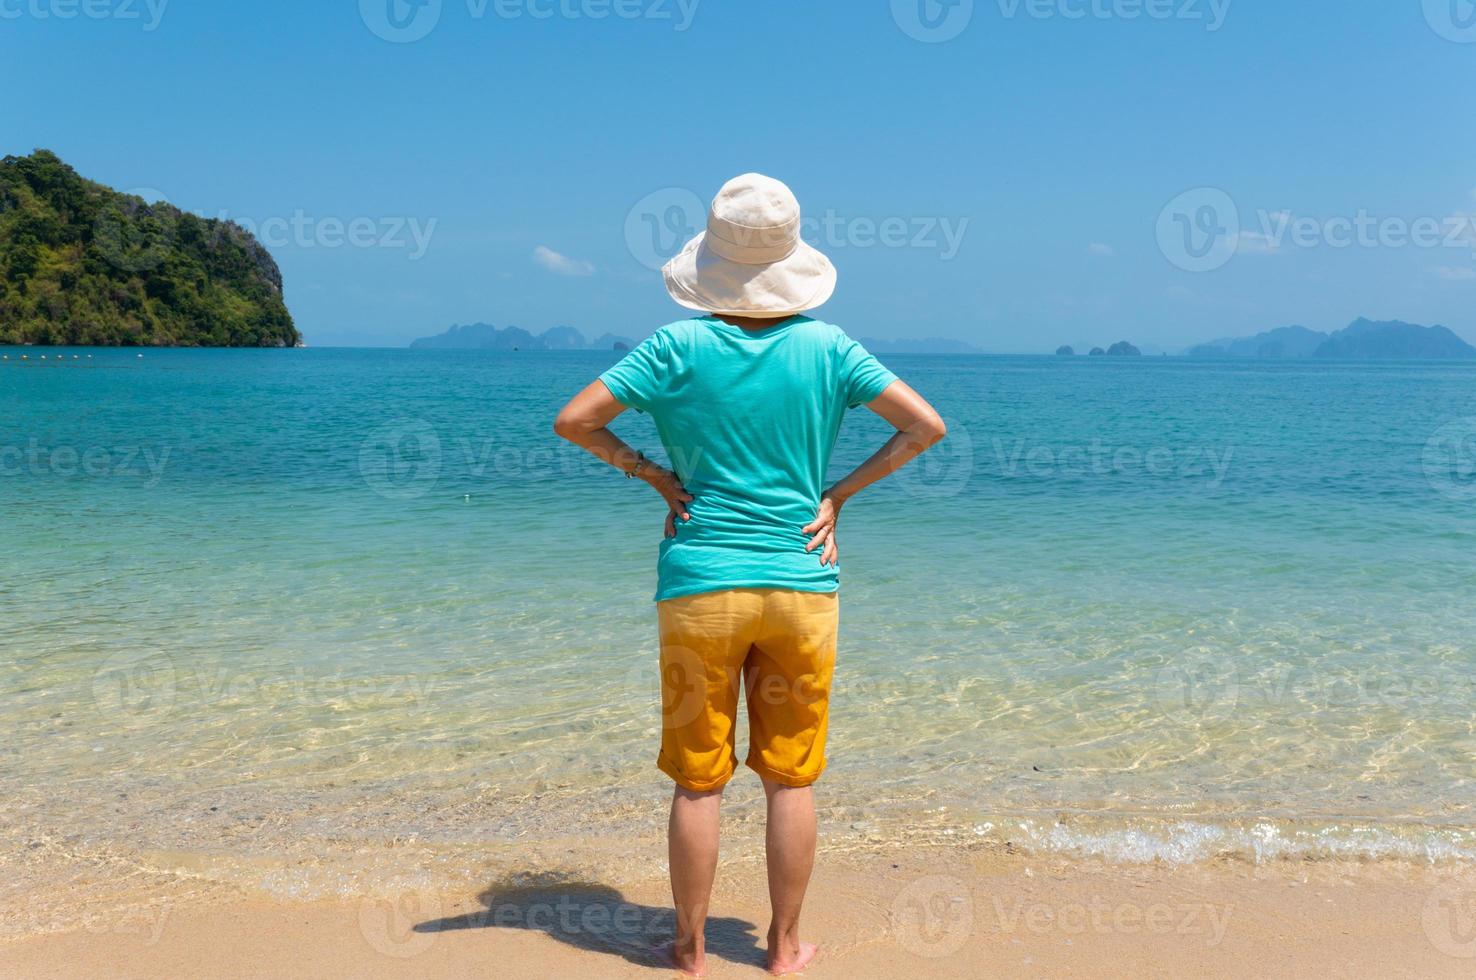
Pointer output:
753, 322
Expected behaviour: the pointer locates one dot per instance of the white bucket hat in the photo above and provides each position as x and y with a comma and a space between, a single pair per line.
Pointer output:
751, 261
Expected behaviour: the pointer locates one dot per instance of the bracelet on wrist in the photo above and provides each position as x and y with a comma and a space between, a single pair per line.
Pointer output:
635, 470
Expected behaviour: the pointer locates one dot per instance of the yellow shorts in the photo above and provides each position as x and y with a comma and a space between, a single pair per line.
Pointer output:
779, 645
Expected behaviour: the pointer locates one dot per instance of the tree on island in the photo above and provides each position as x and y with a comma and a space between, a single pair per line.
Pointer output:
81, 263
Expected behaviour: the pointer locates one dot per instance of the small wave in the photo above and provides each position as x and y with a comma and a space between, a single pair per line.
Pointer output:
1261, 842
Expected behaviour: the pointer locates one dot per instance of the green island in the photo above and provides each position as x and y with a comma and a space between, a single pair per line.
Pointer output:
82, 264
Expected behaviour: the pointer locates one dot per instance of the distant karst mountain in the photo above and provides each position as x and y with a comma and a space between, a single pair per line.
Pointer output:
81, 263
1293, 341
1362, 339
1120, 349
1394, 339
484, 336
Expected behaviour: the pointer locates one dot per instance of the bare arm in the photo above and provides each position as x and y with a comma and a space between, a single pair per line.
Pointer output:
584, 422
918, 427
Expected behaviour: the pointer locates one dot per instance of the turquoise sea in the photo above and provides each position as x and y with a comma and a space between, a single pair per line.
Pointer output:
300, 618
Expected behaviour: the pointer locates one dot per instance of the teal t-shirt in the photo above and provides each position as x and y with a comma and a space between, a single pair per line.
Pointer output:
748, 419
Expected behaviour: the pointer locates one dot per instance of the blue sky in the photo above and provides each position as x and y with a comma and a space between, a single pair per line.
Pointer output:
996, 171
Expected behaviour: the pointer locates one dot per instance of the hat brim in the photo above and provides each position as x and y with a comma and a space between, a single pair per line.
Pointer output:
700, 279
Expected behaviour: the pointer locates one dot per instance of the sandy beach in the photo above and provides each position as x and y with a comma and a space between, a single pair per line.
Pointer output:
956, 911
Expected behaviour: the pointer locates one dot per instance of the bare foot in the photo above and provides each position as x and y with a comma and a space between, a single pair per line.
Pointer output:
688, 965
780, 966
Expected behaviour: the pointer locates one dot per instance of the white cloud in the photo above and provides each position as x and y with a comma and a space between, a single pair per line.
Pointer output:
1256, 243
1454, 273
1267, 241
561, 264
1097, 248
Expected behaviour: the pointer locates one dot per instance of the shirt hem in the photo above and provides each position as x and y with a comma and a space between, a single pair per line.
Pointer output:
677, 593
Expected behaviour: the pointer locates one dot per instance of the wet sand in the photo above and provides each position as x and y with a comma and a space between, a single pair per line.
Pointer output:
914, 911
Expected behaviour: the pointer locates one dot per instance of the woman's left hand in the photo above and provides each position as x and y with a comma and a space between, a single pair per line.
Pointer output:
666, 483
823, 529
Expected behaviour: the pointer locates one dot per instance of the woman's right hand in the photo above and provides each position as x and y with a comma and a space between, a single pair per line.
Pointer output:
823, 528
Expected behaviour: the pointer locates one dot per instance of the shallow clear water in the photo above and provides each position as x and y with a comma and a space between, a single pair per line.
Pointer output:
255, 605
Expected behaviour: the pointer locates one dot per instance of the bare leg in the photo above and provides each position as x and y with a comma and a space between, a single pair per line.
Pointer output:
693, 851
790, 843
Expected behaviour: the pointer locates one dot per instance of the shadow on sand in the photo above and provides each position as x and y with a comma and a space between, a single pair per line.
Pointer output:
595, 917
